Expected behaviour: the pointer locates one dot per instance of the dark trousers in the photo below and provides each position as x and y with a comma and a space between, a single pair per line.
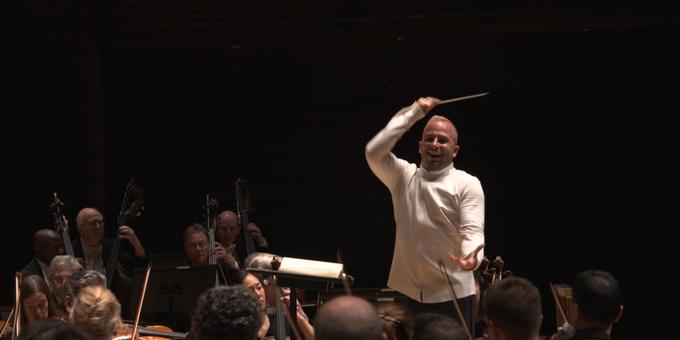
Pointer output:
468, 307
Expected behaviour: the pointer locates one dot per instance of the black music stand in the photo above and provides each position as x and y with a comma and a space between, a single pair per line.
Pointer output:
172, 292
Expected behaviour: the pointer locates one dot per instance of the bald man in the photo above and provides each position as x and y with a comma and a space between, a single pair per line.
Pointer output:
47, 244
348, 318
227, 232
95, 249
439, 214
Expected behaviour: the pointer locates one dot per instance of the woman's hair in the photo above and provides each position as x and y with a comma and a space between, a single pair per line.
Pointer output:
36, 284
397, 322
96, 312
82, 279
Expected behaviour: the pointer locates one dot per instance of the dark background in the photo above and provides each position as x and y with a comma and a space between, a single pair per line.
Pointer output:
571, 145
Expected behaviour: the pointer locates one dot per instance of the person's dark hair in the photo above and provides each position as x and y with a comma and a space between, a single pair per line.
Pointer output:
236, 277
50, 330
347, 318
227, 313
432, 326
597, 295
194, 228
82, 279
33, 284
514, 306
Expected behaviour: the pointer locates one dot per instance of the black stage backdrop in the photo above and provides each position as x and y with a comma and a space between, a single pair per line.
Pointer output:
570, 144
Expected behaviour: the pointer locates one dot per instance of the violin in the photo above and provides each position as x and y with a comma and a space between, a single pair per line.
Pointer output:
493, 271
490, 272
151, 332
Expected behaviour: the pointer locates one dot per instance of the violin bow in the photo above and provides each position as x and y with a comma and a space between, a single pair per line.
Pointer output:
141, 301
557, 302
4, 326
442, 269
16, 326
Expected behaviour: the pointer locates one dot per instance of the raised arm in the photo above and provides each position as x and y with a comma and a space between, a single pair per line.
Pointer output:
379, 154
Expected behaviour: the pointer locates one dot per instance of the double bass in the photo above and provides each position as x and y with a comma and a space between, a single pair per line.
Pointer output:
61, 223
131, 208
243, 208
211, 210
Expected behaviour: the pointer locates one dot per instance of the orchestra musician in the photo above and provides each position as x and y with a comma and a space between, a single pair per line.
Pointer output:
47, 244
227, 232
96, 250
37, 302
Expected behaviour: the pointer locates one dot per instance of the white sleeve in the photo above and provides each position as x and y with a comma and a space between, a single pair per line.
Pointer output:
384, 164
472, 217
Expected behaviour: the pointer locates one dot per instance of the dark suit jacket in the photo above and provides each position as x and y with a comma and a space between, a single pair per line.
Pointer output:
128, 261
32, 268
122, 289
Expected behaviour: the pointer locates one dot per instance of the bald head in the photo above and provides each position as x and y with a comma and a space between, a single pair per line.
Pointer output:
439, 144
90, 224
347, 317
227, 217
84, 214
47, 244
451, 129
227, 227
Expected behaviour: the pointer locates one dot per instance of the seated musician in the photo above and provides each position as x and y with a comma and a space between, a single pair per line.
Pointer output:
96, 313
226, 312
254, 284
78, 281
96, 251
598, 304
60, 271
37, 302
228, 230
260, 260
47, 244
512, 308
196, 248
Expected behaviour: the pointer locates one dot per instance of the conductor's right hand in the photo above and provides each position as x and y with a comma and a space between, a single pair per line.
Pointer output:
428, 103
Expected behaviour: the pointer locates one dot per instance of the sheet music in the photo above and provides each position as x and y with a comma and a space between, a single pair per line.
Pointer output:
293, 265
